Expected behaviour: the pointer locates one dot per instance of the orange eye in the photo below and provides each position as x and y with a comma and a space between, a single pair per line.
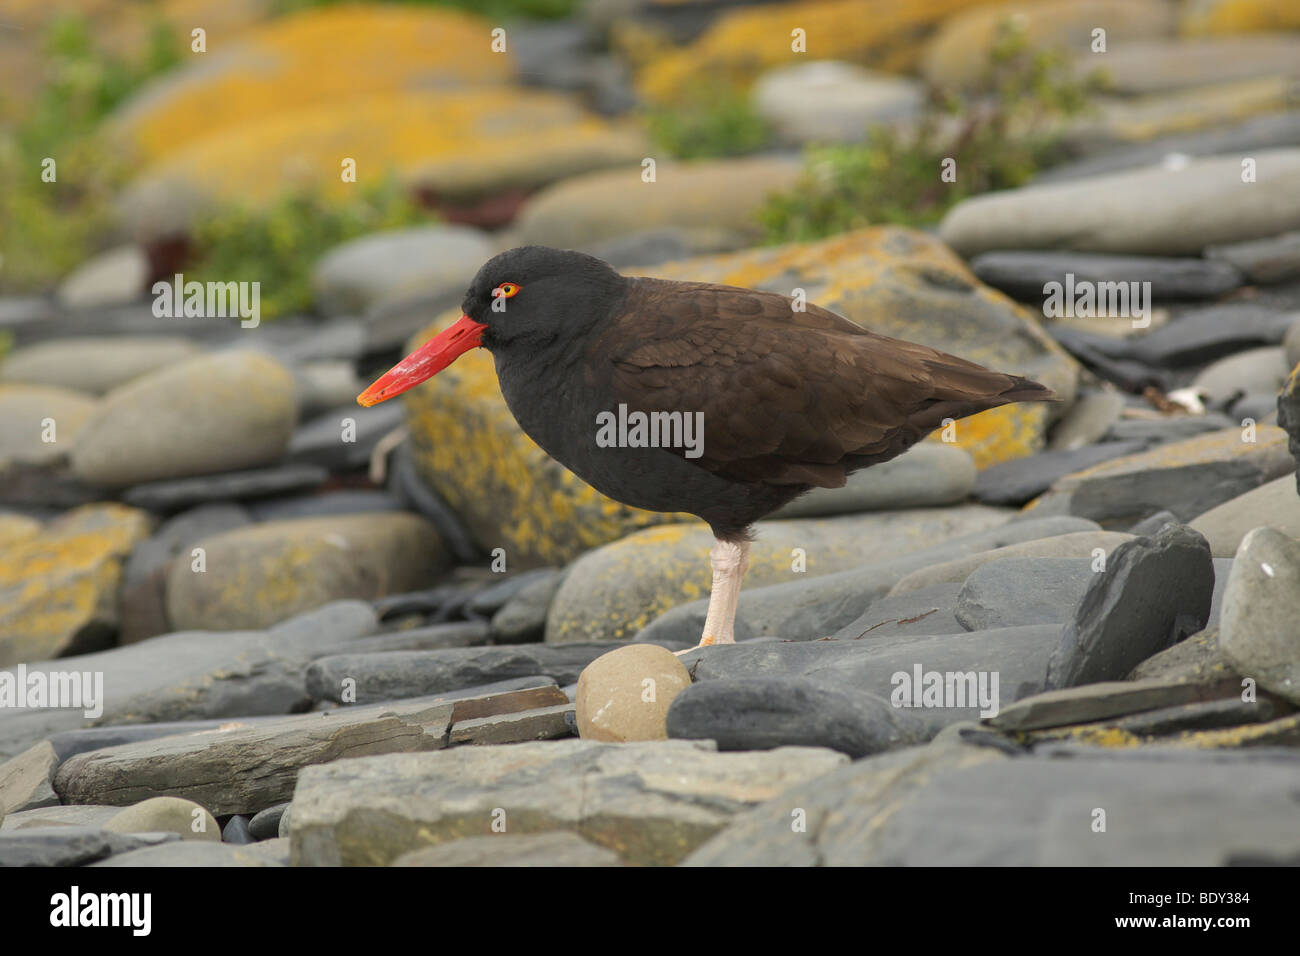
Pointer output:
506, 289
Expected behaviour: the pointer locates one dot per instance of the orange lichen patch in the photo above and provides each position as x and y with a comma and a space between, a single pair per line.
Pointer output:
455, 144
321, 56
63, 579
1240, 16
742, 43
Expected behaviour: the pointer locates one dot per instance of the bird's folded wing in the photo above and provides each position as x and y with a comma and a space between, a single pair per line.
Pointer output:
785, 395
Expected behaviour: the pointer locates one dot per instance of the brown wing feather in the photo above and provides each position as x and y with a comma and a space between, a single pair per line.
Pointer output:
788, 397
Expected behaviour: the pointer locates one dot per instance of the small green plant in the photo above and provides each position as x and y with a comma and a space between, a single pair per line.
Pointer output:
999, 135
712, 120
48, 228
278, 244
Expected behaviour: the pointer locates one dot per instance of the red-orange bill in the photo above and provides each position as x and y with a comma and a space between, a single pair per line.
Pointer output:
426, 361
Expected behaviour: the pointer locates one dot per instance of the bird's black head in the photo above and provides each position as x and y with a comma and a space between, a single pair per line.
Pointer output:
521, 303
534, 295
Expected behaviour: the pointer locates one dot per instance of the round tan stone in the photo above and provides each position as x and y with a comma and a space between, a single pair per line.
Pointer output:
625, 695
167, 815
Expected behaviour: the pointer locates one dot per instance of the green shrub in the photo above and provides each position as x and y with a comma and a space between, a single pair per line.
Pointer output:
278, 244
712, 120
1000, 134
48, 228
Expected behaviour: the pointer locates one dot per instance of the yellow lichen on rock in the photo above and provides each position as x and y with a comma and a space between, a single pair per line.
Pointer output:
1239, 16
58, 586
742, 43
454, 144
259, 575
318, 57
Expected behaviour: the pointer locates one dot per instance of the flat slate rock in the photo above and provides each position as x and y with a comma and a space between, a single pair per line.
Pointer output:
560, 848
650, 802
929, 610
200, 674
959, 805
27, 780
1022, 479
178, 493
1022, 275
1017, 591
1099, 701
246, 769
1007, 664
192, 853
542, 723
1154, 592
398, 674
1275, 259
1186, 478
71, 845
767, 712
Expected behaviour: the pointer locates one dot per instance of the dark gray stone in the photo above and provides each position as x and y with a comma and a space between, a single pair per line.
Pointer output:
1288, 418
1153, 523
1022, 275
1154, 592
1019, 480
1016, 655
320, 441
236, 830
200, 674
178, 493
1276, 259
1258, 132
405, 484
541, 723
925, 611
1200, 335
70, 846
144, 576
768, 712
1015, 591
329, 503
494, 597
1095, 702
1171, 429
265, 824
522, 619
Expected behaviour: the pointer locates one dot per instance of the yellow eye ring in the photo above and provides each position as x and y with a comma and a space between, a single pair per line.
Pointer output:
506, 290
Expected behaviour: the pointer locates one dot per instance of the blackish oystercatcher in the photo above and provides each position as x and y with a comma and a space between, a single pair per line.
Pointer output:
789, 400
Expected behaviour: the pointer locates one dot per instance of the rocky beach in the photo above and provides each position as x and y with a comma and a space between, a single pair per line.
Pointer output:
247, 622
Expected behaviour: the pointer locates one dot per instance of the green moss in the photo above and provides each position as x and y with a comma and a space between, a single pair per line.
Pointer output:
1000, 134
